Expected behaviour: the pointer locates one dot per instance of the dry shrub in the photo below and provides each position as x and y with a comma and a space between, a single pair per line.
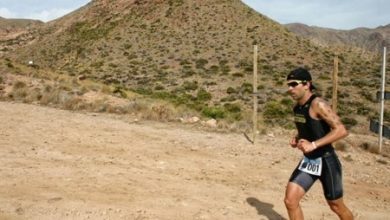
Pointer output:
341, 145
105, 89
34, 95
382, 161
19, 85
74, 103
348, 158
160, 112
19, 91
364, 142
370, 147
137, 106
18, 94
99, 106
49, 97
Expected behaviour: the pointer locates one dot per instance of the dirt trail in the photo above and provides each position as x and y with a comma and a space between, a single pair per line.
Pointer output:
58, 164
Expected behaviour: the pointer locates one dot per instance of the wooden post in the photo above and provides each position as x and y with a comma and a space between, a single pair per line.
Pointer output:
335, 79
254, 93
382, 99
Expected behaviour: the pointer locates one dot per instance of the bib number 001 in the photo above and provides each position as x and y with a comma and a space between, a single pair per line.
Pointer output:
311, 166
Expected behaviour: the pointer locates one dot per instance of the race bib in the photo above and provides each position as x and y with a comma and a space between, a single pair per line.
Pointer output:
311, 166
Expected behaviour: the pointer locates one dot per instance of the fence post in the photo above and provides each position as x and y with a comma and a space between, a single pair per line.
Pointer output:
382, 99
254, 93
335, 79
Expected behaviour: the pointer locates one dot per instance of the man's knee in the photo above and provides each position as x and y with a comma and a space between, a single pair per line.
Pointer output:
337, 206
291, 203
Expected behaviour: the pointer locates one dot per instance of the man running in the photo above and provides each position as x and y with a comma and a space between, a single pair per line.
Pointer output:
318, 126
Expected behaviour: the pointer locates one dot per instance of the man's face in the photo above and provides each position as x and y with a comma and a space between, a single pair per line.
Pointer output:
297, 88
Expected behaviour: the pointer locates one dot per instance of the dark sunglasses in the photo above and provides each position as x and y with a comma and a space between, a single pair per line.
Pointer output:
294, 83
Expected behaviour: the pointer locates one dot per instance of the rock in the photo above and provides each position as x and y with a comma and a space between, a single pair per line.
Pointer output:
190, 120
212, 123
193, 119
271, 135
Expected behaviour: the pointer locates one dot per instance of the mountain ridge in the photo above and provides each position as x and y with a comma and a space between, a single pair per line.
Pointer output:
370, 39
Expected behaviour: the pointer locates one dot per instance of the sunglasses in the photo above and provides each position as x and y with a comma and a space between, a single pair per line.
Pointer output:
295, 83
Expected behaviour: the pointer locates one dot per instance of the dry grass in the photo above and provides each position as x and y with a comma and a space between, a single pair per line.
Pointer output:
371, 147
67, 93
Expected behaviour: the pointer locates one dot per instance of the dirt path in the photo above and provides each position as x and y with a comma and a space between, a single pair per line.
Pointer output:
58, 164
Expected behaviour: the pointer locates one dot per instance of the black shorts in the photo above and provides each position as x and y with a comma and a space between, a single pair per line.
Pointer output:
331, 177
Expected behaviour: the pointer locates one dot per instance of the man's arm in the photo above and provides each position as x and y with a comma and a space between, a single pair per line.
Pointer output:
323, 110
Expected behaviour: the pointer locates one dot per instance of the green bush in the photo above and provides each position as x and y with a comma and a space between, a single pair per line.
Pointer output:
246, 88
288, 102
363, 110
200, 63
274, 110
233, 108
203, 95
213, 69
277, 113
349, 122
190, 85
238, 75
230, 98
230, 90
10, 65
120, 92
159, 87
213, 112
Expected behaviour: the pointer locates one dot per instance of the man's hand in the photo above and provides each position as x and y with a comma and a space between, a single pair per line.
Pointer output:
294, 142
305, 146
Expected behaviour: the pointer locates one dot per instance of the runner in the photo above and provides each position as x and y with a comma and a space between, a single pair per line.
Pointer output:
318, 126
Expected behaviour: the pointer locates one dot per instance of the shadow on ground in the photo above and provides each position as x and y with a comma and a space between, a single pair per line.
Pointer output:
264, 209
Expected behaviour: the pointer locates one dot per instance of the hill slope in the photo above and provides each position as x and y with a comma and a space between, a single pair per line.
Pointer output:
16, 32
196, 53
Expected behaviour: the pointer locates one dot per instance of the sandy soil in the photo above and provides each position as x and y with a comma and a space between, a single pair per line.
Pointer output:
63, 165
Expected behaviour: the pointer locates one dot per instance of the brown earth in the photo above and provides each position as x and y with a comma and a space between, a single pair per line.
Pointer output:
59, 164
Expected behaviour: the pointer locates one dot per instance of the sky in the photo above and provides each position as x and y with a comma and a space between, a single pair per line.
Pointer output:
337, 14
44, 10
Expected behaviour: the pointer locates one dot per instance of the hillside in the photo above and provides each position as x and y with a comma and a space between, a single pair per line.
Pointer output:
16, 32
197, 54
15, 26
368, 39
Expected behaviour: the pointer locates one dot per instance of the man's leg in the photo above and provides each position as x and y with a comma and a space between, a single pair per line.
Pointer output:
294, 194
340, 209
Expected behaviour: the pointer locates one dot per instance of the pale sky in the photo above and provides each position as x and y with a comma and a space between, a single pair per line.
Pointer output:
44, 10
337, 14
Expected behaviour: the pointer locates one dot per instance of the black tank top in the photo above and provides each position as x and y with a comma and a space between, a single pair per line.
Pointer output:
311, 129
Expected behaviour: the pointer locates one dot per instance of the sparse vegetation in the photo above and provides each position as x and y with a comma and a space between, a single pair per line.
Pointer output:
192, 60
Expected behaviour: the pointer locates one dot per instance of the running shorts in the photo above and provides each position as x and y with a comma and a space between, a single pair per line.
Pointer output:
331, 177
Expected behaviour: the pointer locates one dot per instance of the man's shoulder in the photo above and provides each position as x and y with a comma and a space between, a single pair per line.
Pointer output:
320, 105
319, 100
